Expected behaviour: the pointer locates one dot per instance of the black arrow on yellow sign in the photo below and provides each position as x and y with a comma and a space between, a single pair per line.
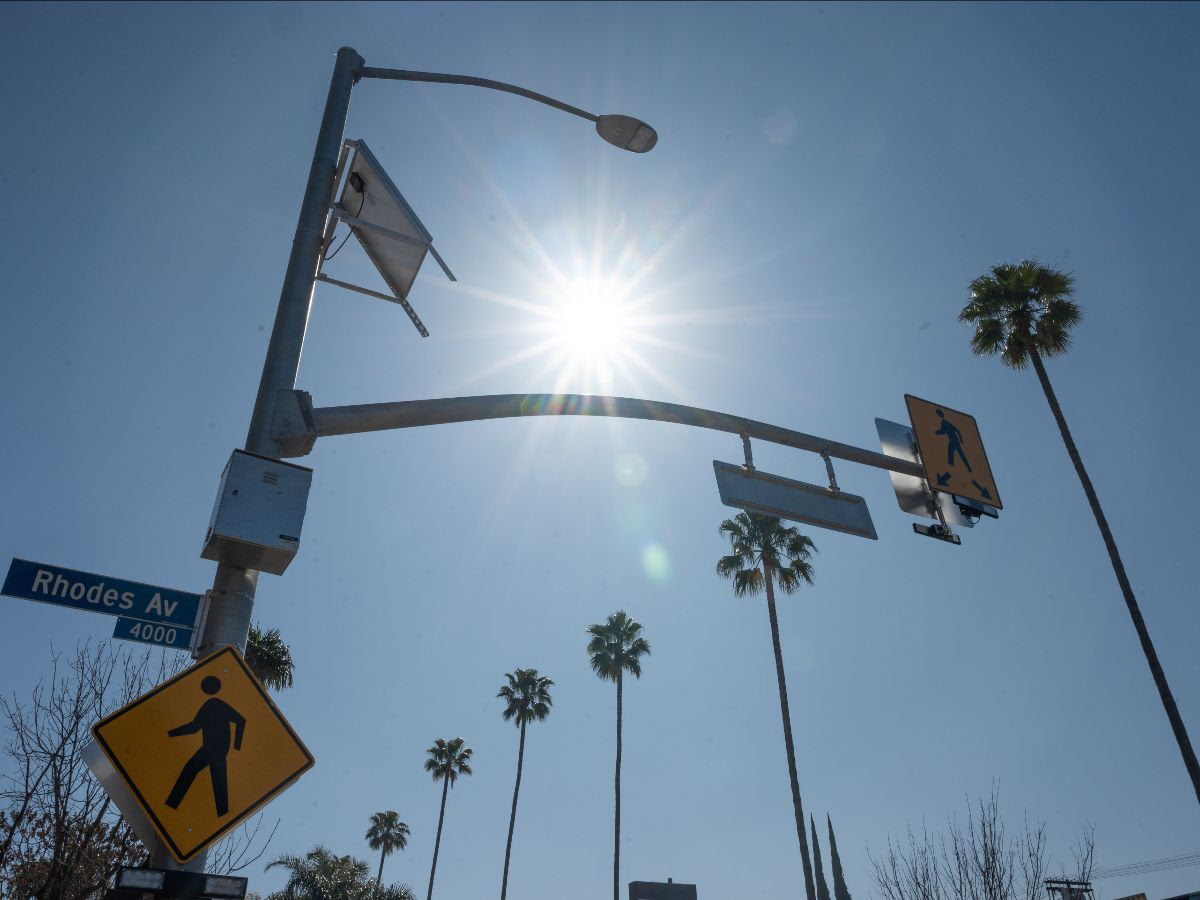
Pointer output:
952, 452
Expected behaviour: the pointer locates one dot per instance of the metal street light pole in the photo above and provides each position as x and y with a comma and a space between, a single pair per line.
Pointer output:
232, 598
232, 595
228, 619
295, 299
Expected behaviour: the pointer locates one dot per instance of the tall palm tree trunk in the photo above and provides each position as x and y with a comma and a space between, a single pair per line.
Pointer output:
1160, 678
617, 802
379, 877
797, 804
437, 844
512, 819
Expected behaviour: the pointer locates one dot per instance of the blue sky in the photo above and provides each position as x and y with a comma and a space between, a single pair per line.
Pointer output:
828, 180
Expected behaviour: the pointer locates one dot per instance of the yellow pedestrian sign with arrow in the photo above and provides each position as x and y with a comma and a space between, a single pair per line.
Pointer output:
202, 751
952, 451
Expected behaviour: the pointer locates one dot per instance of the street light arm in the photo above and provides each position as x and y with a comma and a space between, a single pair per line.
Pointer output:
298, 423
440, 78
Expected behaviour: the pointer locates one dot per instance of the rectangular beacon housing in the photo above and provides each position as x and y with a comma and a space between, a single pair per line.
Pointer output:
259, 511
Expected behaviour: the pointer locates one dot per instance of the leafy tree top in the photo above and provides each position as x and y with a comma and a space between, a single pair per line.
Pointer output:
617, 646
758, 542
321, 874
1018, 307
269, 658
387, 832
448, 759
527, 696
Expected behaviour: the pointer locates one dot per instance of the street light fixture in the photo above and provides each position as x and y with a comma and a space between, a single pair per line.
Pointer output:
625, 132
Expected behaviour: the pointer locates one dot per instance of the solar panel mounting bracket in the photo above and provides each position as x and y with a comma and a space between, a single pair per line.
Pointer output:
397, 227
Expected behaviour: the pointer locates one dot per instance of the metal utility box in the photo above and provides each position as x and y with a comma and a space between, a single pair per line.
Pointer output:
258, 514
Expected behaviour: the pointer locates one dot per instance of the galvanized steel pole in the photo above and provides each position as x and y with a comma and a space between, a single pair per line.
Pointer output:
295, 300
233, 588
228, 619
232, 597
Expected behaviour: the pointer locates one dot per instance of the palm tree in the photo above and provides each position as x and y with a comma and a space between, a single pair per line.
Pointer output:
527, 696
447, 760
615, 648
322, 875
760, 544
386, 834
1025, 312
269, 658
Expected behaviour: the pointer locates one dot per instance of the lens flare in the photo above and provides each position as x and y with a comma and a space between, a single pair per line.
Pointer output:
591, 320
655, 563
630, 470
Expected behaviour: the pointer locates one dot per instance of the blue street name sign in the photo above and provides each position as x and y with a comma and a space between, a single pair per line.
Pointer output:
164, 634
100, 593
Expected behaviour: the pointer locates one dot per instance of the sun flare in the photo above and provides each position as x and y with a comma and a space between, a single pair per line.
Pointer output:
591, 321
593, 330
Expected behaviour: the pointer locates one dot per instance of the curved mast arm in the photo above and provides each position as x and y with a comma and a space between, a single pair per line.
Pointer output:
299, 424
440, 78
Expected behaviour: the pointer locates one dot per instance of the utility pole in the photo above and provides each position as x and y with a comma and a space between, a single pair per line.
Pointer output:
232, 597
231, 600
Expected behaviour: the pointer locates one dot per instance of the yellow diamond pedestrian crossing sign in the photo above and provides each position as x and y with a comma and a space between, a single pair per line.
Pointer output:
202, 751
952, 451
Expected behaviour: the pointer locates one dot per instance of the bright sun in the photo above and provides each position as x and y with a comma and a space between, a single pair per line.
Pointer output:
591, 326
592, 323
593, 330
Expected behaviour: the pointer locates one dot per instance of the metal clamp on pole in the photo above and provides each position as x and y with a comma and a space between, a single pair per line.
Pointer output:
294, 426
201, 622
941, 529
226, 614
748, 452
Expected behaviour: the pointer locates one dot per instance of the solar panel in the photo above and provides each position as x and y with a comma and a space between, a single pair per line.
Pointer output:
386, 226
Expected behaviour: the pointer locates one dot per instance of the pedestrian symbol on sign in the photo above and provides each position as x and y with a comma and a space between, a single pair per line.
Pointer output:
952, 452
212, 721
953, 440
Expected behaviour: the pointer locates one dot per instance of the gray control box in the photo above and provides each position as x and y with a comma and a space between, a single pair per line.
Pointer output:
258, 514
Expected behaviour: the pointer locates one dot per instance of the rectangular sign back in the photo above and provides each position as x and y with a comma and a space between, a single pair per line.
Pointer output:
811, 504
912, 493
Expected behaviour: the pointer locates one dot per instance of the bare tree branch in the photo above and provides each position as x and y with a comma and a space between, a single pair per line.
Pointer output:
976, 861
60, 836
238, 850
